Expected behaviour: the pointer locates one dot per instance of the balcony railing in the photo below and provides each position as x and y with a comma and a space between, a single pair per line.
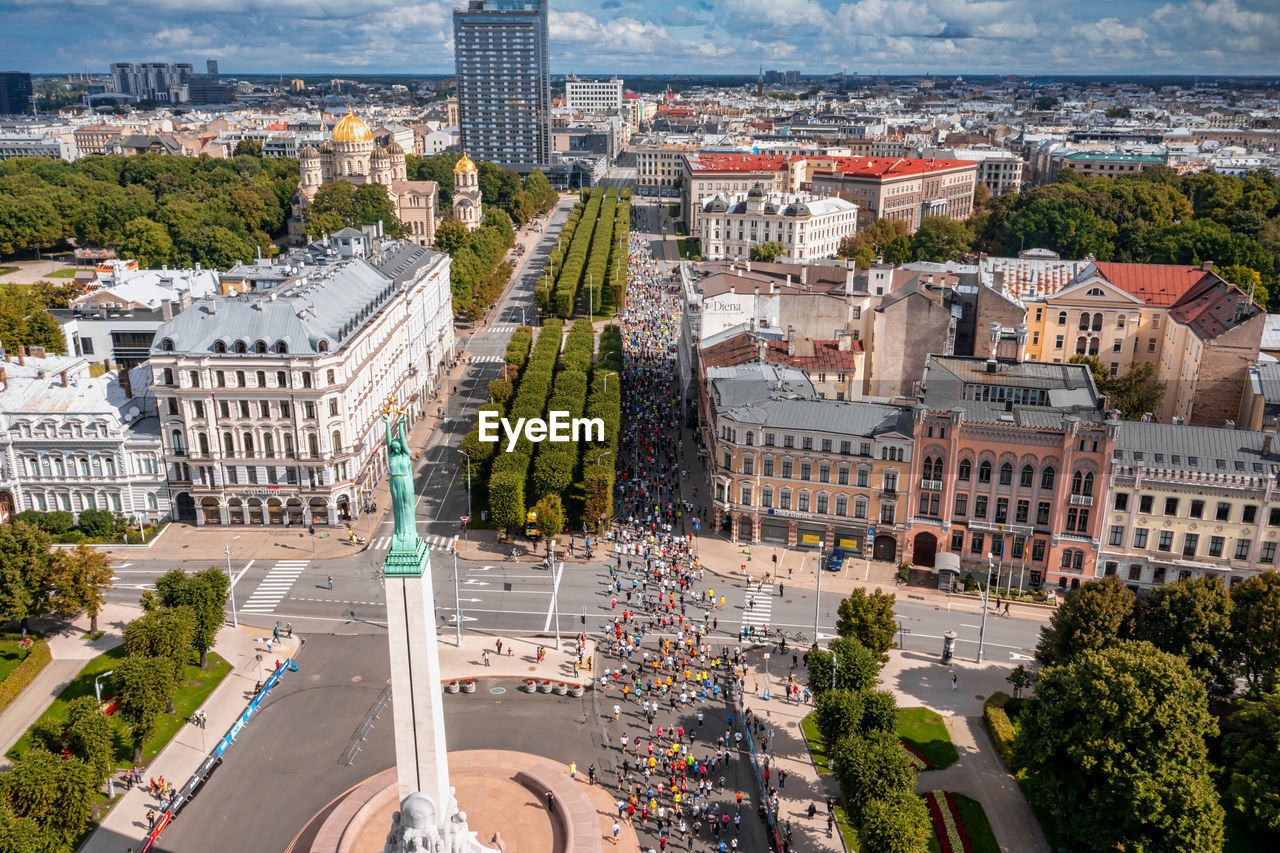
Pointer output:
1082, 500
931, 485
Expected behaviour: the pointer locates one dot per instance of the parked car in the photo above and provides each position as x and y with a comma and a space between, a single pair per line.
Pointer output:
836, 561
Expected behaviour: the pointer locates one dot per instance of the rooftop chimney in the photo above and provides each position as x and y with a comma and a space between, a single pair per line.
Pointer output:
4, 378
125, 385
22, 355
63, 377
748, 265
1207, 266
166, 310
804, 275
37, 352
1266, 439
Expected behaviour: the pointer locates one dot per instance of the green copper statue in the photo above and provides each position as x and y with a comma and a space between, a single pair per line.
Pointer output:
400, 462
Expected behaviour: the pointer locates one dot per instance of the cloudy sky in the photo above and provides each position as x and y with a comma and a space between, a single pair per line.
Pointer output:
661, 36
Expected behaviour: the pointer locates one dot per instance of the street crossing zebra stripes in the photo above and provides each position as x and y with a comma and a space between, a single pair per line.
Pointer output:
485, 359
504, 327
274, 587
443, 543
759, 606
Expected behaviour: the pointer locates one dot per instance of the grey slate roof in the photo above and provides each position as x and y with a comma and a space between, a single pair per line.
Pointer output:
1209, 450
324, 302
1069, 387
840, 417
750, 383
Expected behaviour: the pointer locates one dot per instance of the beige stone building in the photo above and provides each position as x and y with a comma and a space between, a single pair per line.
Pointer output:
808, 227
1190, 502
903, 189
789, 468
351, 155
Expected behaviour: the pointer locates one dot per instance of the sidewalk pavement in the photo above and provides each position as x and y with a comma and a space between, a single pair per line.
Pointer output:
790, 753
519, 657
920, 679
69, 653
177, 761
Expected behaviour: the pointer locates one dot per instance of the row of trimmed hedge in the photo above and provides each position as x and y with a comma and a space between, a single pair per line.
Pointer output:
500, 392
25, 672
1000, 726
509, 471
570, 274
555, 465
604, 402
615, 289
602, 246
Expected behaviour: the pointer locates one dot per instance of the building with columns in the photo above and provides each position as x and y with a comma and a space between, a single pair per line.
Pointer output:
1010, 457
269, 399
790, 468
351, 155
467, 201
71, 442
808, 227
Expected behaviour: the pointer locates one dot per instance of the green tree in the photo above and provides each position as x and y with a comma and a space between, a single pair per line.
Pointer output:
981, 197
330, 209
940, 238
1255, 613
146, 241
1113, 745
78, 580
22, 834
1064, 224
451, 236
1192, 619
1119, 112
144, 688
879, 712
25, 564
871, 768
767, 252
1253, 763
1044, 102
899, 823
540, 192
54, 792
97, 523
371, 205
1021, 679
248, 148
1248, 280
90, 736
1095, 616
857, 667
868, 618
837, 712
550, 516
205, 592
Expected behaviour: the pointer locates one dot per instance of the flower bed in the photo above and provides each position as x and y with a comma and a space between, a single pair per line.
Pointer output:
918, 761
947, 825
957, 824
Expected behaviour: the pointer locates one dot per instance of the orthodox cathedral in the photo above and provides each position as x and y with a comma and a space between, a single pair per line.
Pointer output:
351, 155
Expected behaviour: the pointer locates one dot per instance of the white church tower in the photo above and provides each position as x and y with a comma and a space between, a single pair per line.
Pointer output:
466, 193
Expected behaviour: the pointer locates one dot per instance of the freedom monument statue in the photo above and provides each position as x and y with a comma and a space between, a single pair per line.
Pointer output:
428, 820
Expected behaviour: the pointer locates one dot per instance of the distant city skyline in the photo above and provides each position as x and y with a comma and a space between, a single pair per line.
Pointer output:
944, 37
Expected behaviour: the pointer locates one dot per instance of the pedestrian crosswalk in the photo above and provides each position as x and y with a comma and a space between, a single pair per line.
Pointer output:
504, 327
759, 606
275, 586
485, 359
443, 543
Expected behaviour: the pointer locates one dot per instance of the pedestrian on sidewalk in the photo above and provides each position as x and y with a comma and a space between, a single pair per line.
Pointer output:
151, 819
499, 645
485, 655
573, 770
330, 581
953, 681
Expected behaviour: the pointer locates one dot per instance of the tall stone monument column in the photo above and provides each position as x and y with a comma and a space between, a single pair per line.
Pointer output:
428, 818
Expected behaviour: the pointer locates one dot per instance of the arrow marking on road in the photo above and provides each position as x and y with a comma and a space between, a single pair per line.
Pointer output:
474, 582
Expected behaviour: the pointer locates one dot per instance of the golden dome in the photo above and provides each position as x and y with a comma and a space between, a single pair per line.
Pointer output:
465, 165
351, 128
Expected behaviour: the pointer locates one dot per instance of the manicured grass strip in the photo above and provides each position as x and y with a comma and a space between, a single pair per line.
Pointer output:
24, 671
924, 731
848, 832
818, 749
11, 654
196, 685
6, 270
62, 274
976, 826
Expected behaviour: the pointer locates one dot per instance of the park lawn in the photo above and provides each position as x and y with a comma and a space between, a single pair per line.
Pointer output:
818, 749
62, 274
848, 832
976, 825
7, 270
196, 685
688, 247
11, 654
924, 731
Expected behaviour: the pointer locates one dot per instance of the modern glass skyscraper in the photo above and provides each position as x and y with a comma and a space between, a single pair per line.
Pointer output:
504, 81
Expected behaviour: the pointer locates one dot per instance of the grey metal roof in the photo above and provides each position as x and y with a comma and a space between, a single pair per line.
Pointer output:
322, 304
1210, 450
751, 383
1269, 380
839, 417
1069, 388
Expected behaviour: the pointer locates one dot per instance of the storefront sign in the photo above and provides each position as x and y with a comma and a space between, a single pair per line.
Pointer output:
266, 492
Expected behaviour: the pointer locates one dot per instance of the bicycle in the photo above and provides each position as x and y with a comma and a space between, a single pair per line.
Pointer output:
800, 637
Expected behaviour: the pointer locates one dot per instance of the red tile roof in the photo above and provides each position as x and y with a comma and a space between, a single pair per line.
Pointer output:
1157, 285
891, 167
827, 355
710, 161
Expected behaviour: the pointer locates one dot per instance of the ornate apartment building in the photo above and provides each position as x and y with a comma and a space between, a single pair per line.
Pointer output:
793, 469
808, 227
270, 400
71, 442
1010, 458
1189, 502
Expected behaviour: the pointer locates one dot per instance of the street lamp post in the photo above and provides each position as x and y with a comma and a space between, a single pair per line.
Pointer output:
464, 527
231, 585
555, 597
817, 601
457, 600
986, 595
